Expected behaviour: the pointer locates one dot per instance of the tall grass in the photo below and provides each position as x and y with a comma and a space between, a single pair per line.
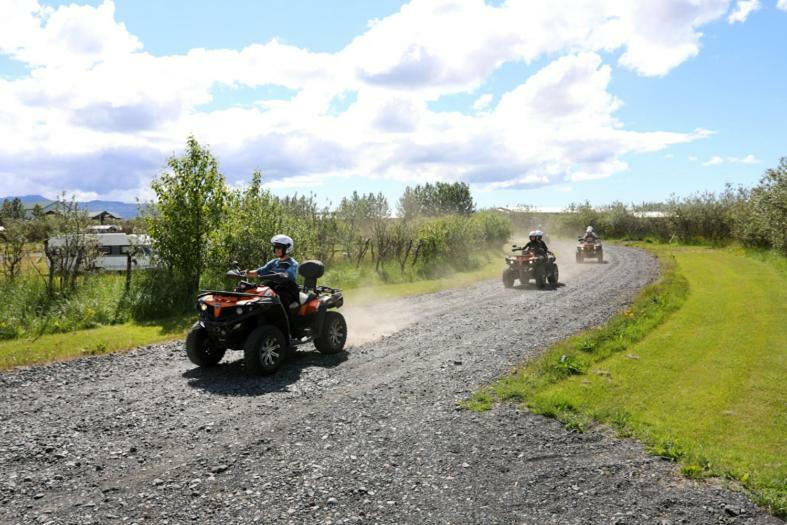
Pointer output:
27, 310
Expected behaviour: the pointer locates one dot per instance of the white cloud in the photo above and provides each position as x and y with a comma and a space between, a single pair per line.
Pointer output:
782, 4
100, 112
749, 159
483, 102
743, 9
717, 160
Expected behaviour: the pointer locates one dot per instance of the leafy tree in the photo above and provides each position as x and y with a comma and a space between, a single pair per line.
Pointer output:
191, 203
245, 231
436, 199
71, 251
359, 216
12, 210
12, 248
761, 220
38, 211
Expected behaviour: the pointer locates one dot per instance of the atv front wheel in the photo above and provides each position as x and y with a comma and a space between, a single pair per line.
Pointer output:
579, 258
508, 279
541, 279
554, 275
600, 256
264, 350
334, 334
200, 349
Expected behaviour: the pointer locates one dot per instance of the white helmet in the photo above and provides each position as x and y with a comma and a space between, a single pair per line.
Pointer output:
539, 233
590, 229
532, 233
284, 241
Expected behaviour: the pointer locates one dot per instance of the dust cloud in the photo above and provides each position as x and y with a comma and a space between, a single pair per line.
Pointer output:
370, 318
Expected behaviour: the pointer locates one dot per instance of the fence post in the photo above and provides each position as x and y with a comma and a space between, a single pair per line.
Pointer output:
417, 251
128, 272
402, 262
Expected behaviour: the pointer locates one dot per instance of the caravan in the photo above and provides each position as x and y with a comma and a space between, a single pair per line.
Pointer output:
114, 249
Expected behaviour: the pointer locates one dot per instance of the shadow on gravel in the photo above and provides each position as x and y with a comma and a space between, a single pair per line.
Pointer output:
533, 287
231, 379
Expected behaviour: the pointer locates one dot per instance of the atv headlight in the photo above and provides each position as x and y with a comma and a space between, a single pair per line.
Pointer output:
203, 307
239, 310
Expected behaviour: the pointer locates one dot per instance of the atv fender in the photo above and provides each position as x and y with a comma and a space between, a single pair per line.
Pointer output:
319, 321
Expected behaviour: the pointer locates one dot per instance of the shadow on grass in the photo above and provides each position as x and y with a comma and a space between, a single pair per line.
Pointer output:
172, 325
231, 379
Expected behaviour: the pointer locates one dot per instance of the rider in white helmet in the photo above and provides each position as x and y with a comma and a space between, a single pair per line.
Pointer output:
282, 248
540, 238
536, 243
283, 265
589, 235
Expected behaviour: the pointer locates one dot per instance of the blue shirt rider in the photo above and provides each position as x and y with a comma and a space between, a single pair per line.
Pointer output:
283, 264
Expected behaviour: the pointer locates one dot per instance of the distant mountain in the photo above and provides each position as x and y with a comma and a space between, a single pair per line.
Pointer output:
125, 210
28, 200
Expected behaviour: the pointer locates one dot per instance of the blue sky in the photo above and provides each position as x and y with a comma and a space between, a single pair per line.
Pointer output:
529, 108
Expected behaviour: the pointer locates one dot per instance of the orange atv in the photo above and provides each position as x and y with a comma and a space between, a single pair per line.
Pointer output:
530, 264
252, 318
589, 249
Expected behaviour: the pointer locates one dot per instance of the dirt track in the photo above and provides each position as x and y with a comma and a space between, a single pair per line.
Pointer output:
370, 436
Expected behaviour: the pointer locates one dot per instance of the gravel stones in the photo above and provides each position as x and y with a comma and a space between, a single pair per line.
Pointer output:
368, 436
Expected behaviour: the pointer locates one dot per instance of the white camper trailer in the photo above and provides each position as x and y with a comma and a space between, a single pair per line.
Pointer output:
114, 249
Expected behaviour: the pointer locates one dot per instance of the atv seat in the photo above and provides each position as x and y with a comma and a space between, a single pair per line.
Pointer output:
311, 271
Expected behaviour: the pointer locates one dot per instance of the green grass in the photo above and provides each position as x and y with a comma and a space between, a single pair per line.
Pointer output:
699, 377
103, 339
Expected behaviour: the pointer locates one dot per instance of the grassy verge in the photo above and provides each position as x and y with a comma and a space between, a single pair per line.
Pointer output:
105, 339
55, 347
695, 369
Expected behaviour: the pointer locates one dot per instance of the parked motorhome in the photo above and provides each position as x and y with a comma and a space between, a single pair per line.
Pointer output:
114, 249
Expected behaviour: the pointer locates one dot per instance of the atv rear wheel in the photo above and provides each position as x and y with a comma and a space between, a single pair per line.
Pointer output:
508, 278
264, 351
200, 349
334, 334
554, 275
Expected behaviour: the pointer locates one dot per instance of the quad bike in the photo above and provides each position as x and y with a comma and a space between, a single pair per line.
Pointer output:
252, 318
589, 249
530, 264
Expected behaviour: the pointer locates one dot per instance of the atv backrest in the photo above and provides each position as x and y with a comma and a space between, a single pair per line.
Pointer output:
311, 271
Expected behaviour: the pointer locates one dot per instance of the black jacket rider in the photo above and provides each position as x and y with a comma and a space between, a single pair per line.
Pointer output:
537, 245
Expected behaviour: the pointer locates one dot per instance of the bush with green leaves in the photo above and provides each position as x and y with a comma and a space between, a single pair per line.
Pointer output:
191, 203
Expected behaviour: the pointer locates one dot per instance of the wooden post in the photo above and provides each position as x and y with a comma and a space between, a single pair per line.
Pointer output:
402, 262
128, 272
417, 251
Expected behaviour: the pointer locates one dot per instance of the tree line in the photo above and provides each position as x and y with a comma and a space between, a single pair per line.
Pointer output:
753, 217
198, 225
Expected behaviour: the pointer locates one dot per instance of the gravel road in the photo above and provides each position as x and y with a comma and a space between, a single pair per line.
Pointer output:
373, 435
